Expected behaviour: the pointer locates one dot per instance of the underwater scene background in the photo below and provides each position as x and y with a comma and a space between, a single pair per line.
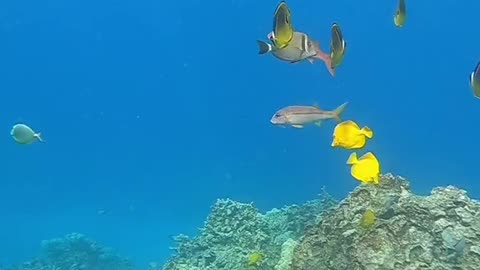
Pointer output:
150, 111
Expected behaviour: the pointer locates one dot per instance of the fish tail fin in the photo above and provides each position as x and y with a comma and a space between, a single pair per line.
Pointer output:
38, 136
375, 179
367, 132
324, 57
263, 47
328, 65
352, 159
338, 111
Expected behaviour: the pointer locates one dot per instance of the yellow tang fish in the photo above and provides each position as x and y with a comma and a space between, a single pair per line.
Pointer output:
348, 135
401, 14
282, 32
365, 169
368, 219
337, 46
255, 258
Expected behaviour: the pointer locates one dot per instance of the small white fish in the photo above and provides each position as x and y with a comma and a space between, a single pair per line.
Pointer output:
23, 134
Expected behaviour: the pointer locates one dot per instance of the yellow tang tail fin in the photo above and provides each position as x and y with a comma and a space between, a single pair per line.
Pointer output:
367, 132
338, 111
352, 159
375, 179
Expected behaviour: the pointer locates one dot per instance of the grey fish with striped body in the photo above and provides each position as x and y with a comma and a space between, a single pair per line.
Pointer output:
301, 47
299, 116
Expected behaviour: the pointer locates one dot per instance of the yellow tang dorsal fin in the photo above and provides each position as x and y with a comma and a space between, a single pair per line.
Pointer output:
350, 123
352, 159
369, 155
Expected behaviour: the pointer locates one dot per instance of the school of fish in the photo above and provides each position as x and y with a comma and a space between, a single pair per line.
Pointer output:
290, 45
293, 46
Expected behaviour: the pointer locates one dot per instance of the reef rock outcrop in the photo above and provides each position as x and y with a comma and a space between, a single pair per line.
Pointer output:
410, 232
75, 252
233, 231
440, 231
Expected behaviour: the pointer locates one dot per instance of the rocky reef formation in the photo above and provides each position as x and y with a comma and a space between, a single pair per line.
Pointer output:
439, 231
402, 231
75, 252
234, 231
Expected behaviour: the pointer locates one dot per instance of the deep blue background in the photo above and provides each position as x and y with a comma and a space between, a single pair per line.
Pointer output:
152, 110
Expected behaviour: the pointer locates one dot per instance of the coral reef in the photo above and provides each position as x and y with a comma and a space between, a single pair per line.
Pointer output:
407, 232
439, 231
75, 252
376, 227
235, 230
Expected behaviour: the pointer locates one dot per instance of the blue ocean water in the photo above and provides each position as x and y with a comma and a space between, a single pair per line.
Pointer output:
152, 110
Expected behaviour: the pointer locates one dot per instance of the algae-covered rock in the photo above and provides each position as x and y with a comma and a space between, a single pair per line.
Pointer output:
75, 252
440, 231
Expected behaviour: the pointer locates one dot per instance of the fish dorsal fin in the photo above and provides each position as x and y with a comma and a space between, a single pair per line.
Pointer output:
315, 104
369, 156
352, 159
350, 123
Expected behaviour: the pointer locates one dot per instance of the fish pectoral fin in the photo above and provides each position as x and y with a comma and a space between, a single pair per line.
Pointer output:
264, 47
297, 126
318, 123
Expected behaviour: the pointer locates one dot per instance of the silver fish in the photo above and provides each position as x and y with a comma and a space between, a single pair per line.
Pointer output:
475, 81
23, 134
299, 116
